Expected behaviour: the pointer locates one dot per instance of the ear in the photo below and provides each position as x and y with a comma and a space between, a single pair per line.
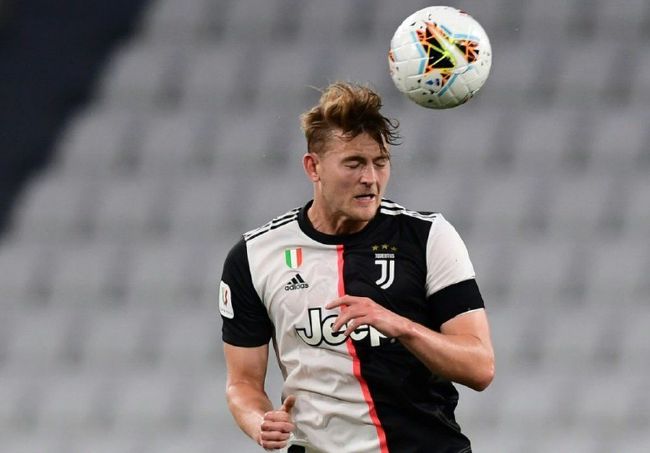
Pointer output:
310, 164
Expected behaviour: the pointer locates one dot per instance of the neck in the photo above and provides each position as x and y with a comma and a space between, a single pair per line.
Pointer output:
332, 222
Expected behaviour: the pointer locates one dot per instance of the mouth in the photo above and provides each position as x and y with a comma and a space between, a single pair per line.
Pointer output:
366, 197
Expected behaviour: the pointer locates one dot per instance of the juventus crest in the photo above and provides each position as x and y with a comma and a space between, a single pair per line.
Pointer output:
385, 259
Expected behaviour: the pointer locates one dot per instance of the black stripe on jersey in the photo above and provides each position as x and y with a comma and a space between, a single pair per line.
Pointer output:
273, 224
453, 300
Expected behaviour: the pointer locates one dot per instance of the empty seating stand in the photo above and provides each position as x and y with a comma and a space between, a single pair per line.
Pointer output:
110, 334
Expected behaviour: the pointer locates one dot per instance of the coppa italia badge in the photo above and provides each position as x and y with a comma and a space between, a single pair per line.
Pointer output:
225, 301
385, 259
293, 257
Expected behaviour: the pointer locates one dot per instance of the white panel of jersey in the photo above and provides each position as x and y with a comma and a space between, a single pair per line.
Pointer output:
315, 362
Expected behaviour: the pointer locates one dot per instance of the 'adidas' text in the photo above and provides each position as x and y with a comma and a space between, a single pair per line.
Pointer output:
296, 283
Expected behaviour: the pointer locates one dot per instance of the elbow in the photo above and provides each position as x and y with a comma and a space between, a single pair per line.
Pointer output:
484, 376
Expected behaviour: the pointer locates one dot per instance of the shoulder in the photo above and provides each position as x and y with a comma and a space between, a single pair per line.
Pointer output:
433, 225
390, 208
280, 221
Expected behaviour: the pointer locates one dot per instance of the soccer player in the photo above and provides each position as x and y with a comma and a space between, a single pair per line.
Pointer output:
373, 309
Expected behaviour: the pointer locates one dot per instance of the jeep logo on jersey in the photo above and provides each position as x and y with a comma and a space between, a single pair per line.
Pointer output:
320, 330
385, 259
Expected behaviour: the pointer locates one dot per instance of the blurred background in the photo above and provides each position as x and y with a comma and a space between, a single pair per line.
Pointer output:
139, 139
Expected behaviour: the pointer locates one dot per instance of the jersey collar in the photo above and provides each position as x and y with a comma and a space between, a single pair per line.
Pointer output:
334, 239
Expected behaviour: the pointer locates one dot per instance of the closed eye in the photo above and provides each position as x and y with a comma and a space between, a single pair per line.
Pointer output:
381, 163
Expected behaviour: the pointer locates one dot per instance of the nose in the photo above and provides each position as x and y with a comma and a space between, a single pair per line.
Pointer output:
369, 175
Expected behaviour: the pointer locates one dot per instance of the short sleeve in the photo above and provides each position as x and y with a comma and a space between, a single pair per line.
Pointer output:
451, 285
245, 319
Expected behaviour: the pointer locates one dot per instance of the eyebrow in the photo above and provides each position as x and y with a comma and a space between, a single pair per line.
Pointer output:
363, 159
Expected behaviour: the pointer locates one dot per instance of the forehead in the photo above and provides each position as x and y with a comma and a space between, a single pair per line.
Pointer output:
361, 145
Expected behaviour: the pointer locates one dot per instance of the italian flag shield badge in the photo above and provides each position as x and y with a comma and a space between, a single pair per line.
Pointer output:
293, 257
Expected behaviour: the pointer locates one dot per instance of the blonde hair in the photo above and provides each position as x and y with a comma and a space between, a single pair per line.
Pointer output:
352, 109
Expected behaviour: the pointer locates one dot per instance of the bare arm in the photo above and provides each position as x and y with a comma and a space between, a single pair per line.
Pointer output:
461, 352
248, 402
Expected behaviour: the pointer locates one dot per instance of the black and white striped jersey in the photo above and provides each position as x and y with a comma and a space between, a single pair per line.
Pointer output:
365, 393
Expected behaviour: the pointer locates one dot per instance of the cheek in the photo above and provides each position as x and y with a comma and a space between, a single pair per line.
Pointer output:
340, 181
383, 177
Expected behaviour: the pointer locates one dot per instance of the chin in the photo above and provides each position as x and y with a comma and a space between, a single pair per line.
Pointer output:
364, 214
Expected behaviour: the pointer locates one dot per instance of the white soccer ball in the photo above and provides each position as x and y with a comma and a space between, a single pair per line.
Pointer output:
440, 57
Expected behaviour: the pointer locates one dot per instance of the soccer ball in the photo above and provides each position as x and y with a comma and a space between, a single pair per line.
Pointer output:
439, 57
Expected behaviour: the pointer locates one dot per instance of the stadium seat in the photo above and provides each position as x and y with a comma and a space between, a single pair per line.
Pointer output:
273, 86
627, 17
552, 19
578, 336
571, 440
204, 400
171, 21
55, 207
249, 23
30, 442
597, 406
165, 273
545, 409
616, 273
231, 150
145, 403
188, 340
540, 270
130, 207
634, 346
640, 83
579, 78
542, 139
327, 22
493, 260
95, 143
39, 340
466, 140
503, 206
491, 440
105, 443
515, 331
211, 73
578, 206
199, 442
116, 339
364, 62
21, 266
174, 144
14, 400
82, 274
636, 217
636, 442
72, 403
140, 76
514, 77
201, 208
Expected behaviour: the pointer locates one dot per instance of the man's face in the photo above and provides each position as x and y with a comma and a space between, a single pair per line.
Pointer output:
350, 178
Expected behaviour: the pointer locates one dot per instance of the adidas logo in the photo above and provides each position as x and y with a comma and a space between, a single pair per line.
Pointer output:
296, 283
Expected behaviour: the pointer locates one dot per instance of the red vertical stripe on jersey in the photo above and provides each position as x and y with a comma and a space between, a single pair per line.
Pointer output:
299, 255
356, 364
